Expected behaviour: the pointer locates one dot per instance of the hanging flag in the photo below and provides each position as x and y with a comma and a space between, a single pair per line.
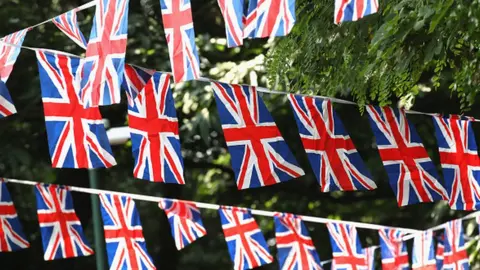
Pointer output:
460, 161
250, 20
232, 12
332, 155
62, 233
439, 252
455, 253
12, 237
178, 24
346, 247
295, 247
412, 174
134, 81
370, 257
102, 69
393, 249
8, 57
76, 136
68, 24
354, 10
274, 18
185, 221
260, 156
126, 248
423, 256
246, 244
154, 131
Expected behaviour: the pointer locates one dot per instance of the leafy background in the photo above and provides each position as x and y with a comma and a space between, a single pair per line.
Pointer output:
415, 54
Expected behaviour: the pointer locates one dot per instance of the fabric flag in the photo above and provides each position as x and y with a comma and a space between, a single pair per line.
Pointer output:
12, 237
260, 156
439, 252
423, 256
412, 174
246, 244
455, 253
102, 70
332, 155
232, 12
250, 19
295, 247
370, 257
346, 247
134, 81
8, 57
185, 221
178, 24
68, 24
460, 161
76, 136
126, 248
274, 18
394, 251
354, 10
62, 233
154, 132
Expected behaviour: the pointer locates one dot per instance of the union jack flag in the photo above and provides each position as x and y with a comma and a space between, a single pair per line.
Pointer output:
250, 20
185, 221
332, 155
413, 176
295, 247
76, 136
8, 57
346, 247
460, 161
126, 248
260, 156
12, 237
394, 251
354, 10
68, 24
455, 253
134, 81
232, 11
370, 257
274, 18
102, 69
439, 252
177, 21
154, 132
62, 233
246, 244
423, 256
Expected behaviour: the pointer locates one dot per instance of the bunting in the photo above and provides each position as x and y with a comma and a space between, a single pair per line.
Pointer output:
412, 174
354, 10
250, 19
12, 237
68, 24
232, 12
455, 255
62, 233
260, 156
332, 155
440, 251
295, 247
423, 256
274, 18
347, 250
7, 107
370, 257
393, 250
185, 221
134, 81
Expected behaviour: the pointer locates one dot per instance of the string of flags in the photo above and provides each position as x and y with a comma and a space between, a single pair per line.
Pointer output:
62, 234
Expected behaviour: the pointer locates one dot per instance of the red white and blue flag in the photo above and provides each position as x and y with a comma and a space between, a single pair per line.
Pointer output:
423, 256
260, 156
250, 19
439, 252
126, 248
348, 253
455, 255
68, 24
134, 81
370, 257
295, 247
274, 18
76, 136
412, 174
246, 244
102, 69
62, 233
460, 161
154, 132
393, 250
12, 237
185, 221
178, 25
8, 57
354, 10
232, 12
335, 162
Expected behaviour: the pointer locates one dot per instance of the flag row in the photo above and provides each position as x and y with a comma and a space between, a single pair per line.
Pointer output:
62, 236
